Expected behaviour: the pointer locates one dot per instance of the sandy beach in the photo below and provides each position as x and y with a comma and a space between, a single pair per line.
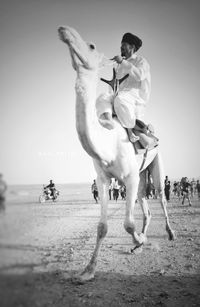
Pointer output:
43, 245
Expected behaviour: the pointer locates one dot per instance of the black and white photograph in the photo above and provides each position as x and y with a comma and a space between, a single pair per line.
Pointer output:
99, 158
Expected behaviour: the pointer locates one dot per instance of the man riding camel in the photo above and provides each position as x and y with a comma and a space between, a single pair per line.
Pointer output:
129, 102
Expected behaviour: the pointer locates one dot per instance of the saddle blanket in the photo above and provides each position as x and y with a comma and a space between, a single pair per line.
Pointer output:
144, 158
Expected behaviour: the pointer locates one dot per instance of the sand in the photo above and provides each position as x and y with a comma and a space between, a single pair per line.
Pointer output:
43, 245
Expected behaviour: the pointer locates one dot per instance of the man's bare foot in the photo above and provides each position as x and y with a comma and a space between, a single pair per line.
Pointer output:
106, 121
132, 137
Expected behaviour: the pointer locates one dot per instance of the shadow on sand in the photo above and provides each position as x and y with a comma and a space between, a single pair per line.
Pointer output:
107, 289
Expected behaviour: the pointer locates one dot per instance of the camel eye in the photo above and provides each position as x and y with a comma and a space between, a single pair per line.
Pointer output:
92, 46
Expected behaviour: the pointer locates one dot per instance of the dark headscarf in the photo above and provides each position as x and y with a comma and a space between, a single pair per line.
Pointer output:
132, 40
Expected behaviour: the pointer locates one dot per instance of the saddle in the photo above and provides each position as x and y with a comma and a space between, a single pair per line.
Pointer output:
147, 139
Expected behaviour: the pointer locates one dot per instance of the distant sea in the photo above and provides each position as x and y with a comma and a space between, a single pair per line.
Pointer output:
30, 193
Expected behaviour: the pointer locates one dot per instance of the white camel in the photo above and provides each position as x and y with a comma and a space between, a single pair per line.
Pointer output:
112, 152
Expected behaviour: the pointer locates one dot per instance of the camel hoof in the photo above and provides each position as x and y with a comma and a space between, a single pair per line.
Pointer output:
80, 279
137, 249
172, 235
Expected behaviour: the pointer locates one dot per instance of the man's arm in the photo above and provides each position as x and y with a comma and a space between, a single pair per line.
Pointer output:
138, 71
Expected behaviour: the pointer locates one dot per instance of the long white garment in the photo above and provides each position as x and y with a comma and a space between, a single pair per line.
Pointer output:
133, 93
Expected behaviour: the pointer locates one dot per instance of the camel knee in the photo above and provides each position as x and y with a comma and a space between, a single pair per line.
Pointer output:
129, 227
102, 230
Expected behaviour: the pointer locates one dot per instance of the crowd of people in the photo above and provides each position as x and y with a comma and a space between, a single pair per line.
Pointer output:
182, 190
186, 189
115, 190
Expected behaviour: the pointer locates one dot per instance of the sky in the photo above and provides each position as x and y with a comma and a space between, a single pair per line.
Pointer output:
37, 106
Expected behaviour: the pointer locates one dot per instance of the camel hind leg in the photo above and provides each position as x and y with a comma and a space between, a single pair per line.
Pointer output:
143, 202
89, 271
157, 173
129, 223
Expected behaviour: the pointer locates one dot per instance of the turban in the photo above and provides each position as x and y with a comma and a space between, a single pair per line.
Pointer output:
132, 40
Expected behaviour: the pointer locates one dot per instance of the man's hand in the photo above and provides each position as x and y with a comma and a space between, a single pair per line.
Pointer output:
118, 59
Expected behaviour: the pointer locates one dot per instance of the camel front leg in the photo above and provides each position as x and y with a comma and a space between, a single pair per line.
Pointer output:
143, 202
89, 271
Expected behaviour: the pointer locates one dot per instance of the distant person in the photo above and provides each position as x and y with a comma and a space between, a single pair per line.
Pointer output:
95, 192
52, 188
116, 188
148, 190
110, 189
154, 192
3, 188
178, 193
123, 192
186, 190
175, 186
192, 187
167, 188
198, 189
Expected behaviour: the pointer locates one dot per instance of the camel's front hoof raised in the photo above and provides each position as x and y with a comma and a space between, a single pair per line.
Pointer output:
82, 278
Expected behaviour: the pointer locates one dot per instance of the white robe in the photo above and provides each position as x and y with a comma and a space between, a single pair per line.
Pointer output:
130, 102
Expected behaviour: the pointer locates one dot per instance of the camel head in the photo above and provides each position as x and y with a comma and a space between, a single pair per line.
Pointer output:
84, 55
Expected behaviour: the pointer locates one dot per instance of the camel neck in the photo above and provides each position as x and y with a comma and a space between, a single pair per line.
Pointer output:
86, 119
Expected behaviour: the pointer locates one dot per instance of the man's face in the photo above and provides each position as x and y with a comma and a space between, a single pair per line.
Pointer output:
126, 50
